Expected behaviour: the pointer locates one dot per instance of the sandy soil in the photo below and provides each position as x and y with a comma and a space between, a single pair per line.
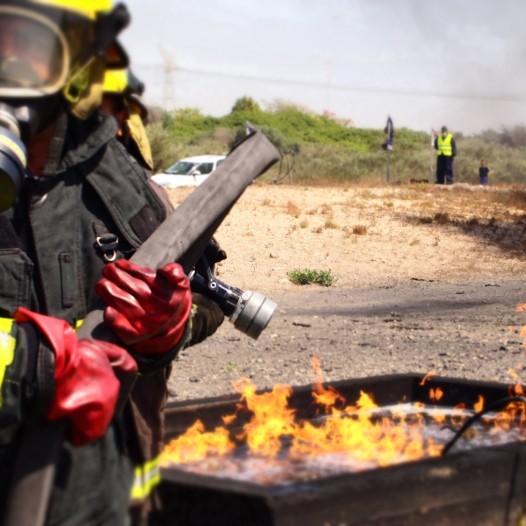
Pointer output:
427, 278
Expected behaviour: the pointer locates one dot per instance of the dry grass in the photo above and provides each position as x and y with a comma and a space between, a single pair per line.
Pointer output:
425, 233
442, 218
359, 230
326, 210
331, 224
292, 209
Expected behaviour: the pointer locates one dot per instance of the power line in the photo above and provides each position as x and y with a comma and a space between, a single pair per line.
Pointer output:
348, 88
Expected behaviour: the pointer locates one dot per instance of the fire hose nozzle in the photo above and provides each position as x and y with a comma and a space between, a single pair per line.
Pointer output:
250, 312
253, 313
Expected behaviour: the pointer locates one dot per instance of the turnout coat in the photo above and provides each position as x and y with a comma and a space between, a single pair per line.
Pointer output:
93, 204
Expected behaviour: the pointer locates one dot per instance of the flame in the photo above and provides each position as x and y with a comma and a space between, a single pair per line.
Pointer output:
272, 418
479, 404
316, 367
359, 434
427, 377
325, 397
197, 443
436, 394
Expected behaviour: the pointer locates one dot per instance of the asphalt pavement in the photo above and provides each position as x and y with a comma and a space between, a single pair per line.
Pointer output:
468, 330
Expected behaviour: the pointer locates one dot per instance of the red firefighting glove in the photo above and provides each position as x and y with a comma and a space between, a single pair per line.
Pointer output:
147, 309
86, 390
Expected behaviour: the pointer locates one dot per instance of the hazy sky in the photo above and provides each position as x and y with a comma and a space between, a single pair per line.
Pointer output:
424, 62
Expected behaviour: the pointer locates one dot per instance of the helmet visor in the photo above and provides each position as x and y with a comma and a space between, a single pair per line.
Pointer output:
34, 56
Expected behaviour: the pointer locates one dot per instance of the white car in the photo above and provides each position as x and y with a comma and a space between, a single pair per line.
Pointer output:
188, 172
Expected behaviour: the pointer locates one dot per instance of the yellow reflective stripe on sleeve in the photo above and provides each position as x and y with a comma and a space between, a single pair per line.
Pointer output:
7, 349
146, 478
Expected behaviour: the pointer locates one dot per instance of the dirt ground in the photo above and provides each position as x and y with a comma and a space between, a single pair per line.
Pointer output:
428, 278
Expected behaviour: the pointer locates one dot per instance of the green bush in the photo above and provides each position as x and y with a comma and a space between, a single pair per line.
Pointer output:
323, 150
245, 104
307, 276
165, 150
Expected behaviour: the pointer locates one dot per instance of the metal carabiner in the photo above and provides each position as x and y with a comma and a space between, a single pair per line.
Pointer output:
108, 248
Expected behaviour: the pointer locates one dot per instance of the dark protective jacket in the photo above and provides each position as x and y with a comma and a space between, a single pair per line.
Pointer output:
92, 205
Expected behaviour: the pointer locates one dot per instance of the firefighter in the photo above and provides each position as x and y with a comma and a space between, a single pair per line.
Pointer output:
446, 151
75, 208
121, 99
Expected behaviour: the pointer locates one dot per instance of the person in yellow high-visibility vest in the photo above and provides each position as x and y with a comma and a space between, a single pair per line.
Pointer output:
446, 152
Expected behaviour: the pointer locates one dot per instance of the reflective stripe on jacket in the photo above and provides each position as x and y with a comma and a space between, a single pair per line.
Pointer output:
444, 145
146, 478
7, 350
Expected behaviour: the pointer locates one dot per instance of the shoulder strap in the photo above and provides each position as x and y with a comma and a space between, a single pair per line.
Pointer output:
123, 188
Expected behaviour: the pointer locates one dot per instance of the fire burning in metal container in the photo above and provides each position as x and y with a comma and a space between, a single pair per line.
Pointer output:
265, 442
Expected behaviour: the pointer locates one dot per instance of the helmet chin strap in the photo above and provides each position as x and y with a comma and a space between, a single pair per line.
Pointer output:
46, 110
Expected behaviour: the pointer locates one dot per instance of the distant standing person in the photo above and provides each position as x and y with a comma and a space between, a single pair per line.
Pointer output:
447, 150
484, 172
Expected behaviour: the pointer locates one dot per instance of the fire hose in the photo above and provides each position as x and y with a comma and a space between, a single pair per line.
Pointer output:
502, 402
182, 237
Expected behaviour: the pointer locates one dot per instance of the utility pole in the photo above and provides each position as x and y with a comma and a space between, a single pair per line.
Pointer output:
432, 173
169, 69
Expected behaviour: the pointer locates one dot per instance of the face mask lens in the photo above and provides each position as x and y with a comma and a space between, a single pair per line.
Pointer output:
32, 55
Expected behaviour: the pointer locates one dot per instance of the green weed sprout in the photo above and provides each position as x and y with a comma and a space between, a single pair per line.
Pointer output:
308, 276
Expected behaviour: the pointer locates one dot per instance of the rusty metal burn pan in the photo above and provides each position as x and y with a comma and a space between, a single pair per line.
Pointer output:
481, 486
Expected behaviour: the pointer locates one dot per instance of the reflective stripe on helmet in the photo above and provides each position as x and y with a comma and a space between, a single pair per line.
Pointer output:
122, 82
7, 349
116, 81
86, 8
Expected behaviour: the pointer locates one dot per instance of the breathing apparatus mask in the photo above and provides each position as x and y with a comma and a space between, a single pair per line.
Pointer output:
19, 122
52, 52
